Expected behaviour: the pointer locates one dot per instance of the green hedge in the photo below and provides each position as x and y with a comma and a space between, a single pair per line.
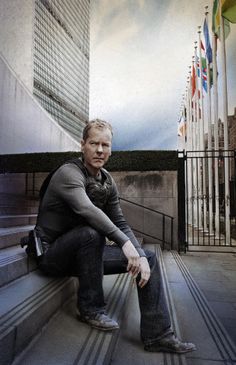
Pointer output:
119, 161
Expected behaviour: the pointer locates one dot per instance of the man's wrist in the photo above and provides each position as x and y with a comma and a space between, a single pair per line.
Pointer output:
140, 252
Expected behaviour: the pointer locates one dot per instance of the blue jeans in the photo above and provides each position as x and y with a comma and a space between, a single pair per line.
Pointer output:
82, 252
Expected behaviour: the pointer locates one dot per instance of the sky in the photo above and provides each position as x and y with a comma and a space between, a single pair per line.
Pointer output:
140, 53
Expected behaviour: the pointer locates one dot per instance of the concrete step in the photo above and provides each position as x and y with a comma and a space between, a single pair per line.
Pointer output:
65, 340
199, 322
11, 236
14, 263
129, 349
17, 220
26, 306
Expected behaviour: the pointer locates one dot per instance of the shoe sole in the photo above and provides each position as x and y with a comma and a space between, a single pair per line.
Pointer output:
103, 328
164, 349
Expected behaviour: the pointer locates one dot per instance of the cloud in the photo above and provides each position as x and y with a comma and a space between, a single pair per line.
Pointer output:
114, 25
140, 57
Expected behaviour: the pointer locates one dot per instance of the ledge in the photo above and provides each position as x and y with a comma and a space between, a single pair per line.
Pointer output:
119, 161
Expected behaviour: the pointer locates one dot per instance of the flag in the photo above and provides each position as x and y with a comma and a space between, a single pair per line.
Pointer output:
193, 81
182, 127
216, 17
229, 10
204, 72
216, 14
207, 42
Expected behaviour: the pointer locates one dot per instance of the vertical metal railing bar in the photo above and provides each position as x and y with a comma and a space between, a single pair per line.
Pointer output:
213, 198
208, 202
221, 225
193, 199
202, 199
197, 198
187, 198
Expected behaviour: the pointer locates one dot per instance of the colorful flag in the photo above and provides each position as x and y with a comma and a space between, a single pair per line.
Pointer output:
204, 72
216, 17
207, 42
193, 81
216, 14
229, 10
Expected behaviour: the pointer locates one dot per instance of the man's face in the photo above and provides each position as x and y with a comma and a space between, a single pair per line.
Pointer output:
96, 149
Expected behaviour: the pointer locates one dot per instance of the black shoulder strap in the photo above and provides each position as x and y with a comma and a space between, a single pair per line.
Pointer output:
45, 183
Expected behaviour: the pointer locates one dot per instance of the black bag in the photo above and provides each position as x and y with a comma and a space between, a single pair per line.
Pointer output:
34, 245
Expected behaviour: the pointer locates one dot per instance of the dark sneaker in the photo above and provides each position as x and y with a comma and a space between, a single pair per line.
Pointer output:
170, 343
100, 321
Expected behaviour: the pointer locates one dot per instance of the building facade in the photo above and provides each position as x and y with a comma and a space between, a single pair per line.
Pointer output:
61, 61
46, 43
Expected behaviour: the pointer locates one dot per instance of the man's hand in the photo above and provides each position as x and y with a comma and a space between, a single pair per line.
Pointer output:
136, 264
133, 258
144, 271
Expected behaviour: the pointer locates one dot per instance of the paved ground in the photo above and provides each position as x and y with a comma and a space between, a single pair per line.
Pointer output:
215, 274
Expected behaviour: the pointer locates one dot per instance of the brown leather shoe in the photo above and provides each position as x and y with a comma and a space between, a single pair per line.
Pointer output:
170, 343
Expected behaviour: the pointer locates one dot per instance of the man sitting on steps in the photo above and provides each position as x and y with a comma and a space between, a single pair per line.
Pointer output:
79, 209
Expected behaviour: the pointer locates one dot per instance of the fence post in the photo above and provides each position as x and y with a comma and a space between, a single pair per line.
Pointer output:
182, 244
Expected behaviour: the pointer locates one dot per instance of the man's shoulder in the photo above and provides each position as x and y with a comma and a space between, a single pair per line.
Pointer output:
69, 170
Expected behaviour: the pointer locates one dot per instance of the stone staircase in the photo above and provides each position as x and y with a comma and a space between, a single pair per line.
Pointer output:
28, 299
33, 305
38, 324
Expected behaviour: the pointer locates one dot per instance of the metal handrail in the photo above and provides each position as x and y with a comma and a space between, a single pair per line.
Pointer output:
147, 208
164, 217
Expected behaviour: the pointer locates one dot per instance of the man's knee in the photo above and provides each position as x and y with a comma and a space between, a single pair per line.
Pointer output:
84, 234
94, 235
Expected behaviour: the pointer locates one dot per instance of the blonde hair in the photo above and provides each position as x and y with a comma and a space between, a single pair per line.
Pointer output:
96, 123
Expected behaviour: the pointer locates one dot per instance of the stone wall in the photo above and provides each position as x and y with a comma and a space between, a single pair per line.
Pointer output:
154, 189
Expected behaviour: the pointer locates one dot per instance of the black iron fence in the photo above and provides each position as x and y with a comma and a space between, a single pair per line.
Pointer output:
207, 206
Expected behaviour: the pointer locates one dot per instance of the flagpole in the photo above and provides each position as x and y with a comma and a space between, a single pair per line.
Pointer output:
202, 135
210, 185
185, 122
216, 137
189, 148
198, 175
189, 113
192, 171
195, 147
225, 124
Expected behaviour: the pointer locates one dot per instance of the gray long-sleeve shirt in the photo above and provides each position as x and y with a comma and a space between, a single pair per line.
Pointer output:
66, 204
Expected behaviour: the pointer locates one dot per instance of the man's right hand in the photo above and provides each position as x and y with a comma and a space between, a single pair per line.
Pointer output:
133, 258
136, 264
